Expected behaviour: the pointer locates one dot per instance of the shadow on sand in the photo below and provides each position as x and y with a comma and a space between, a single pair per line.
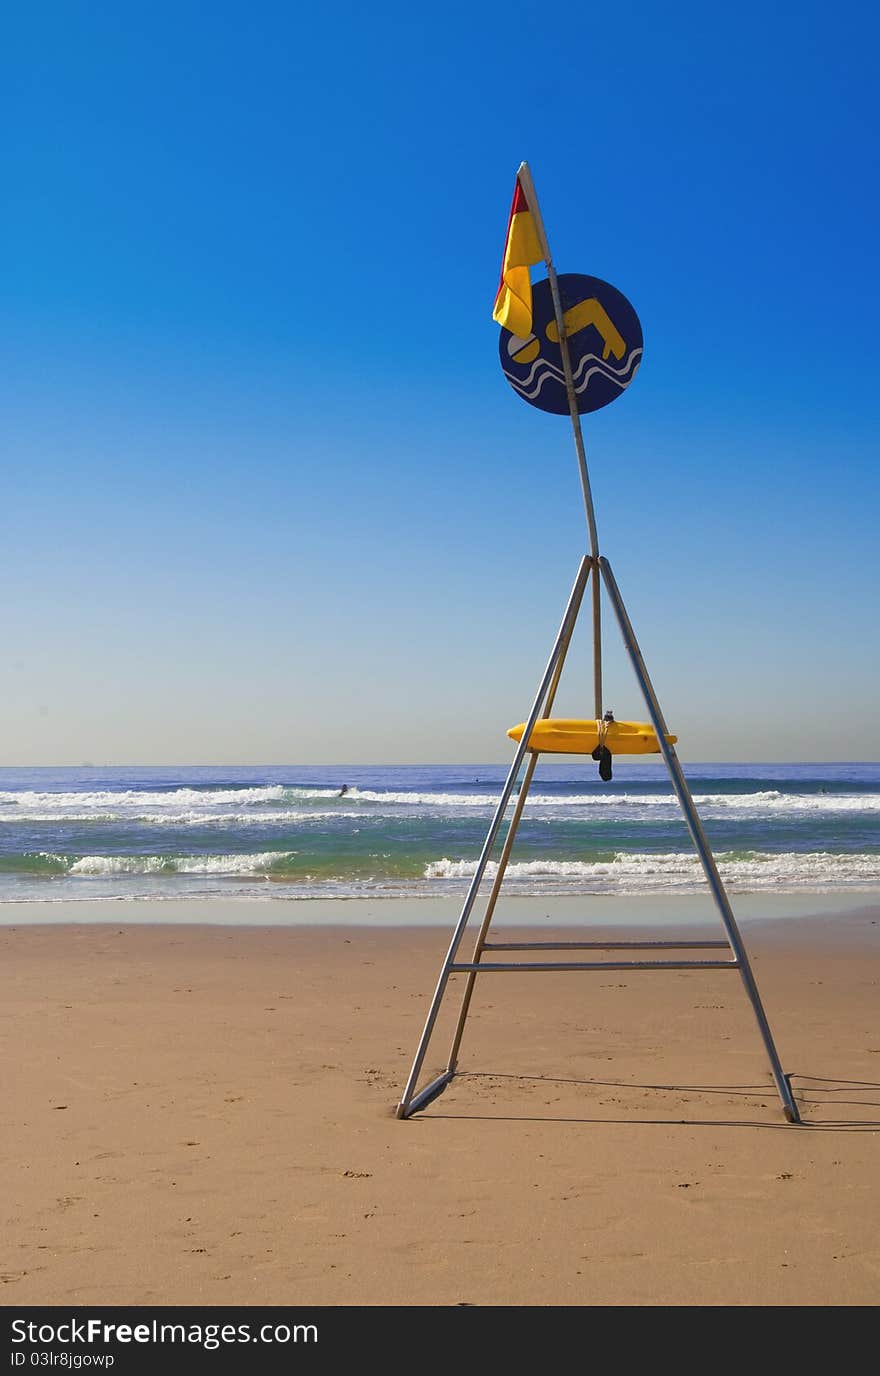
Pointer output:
819, 1100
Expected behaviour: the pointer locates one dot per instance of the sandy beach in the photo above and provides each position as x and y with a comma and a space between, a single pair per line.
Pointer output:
204, 1114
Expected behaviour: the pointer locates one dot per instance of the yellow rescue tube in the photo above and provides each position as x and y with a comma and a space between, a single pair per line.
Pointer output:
568, 736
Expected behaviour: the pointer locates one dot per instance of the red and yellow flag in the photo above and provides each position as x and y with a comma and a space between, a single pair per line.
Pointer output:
513, 303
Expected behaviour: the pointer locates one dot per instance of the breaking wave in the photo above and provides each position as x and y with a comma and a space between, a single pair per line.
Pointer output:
748, 872
278, 804
266, 862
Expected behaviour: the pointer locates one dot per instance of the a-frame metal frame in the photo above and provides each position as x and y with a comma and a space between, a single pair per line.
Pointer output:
737, 957
596, 567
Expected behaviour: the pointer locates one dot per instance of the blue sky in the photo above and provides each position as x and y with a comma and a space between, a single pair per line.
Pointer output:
267, 495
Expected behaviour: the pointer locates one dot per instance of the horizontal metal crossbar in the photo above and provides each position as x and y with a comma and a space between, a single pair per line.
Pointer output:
497, 967
605, 945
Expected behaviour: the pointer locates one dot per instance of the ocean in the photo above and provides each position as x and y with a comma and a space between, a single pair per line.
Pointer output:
363, 831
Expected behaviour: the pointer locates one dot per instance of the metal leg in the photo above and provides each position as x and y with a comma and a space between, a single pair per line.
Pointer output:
701, 844
511, 832
597, 645
490, 908
408, 1104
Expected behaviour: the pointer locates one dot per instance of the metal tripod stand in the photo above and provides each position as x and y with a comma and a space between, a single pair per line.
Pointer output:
737, 957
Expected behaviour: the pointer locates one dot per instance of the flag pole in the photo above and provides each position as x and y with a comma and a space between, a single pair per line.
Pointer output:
525, 177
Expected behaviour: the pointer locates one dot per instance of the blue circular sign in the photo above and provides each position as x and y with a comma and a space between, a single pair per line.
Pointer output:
604, 344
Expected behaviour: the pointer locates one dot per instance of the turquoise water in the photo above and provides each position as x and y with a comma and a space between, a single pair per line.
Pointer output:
417, 830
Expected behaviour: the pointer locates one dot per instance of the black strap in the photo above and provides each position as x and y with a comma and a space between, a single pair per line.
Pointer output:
603, 755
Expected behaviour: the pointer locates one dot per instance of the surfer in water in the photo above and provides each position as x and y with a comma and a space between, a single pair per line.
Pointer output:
342, 792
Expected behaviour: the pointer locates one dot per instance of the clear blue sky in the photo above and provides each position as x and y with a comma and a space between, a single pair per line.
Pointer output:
267, 497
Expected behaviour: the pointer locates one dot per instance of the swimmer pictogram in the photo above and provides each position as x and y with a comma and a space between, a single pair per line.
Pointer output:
604, 341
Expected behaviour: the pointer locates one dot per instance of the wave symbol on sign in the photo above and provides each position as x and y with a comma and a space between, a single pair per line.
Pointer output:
543, 371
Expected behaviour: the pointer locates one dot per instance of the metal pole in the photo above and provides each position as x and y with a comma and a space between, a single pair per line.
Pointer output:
701, 844
525, 176
597, 648
490, 908
511, 836
407, 1103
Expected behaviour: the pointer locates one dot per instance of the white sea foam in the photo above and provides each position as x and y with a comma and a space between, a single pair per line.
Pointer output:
176, 806
276, 803
770, 800
444, 800
183, 819
773, 801
182, 864
112, 801
244, 819
641, 872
